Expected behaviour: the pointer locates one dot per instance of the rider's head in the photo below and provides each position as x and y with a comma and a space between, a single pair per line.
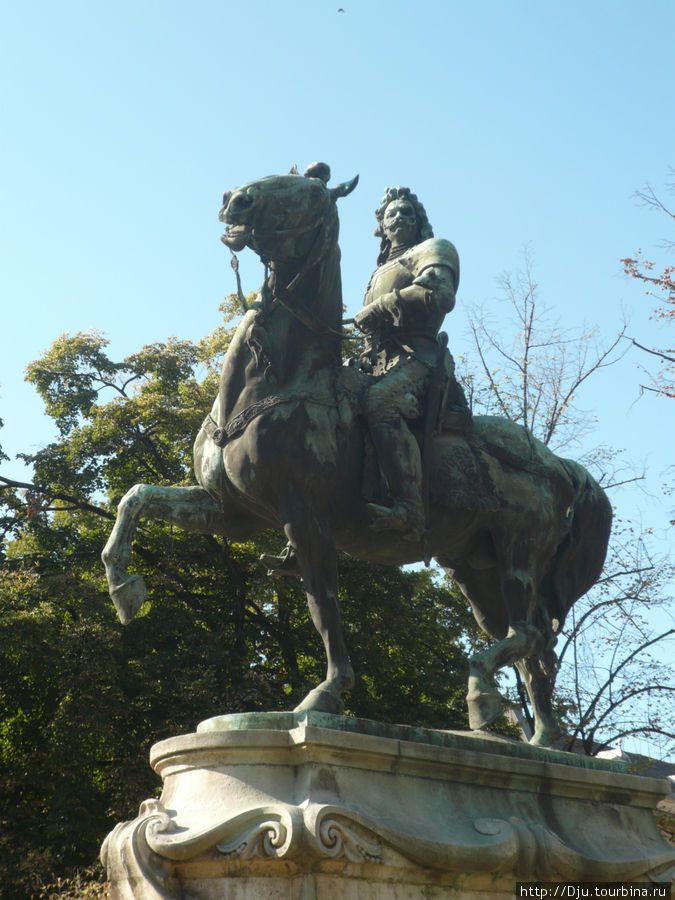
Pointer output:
402, 220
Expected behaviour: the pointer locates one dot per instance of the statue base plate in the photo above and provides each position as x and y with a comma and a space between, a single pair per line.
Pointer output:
313, 806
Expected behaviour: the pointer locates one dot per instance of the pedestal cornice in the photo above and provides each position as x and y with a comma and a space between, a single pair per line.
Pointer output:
300, 794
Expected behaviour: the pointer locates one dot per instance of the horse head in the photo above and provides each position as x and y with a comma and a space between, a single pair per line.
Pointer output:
280, 217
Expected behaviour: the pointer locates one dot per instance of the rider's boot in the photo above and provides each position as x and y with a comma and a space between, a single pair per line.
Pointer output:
456, 412
399, 459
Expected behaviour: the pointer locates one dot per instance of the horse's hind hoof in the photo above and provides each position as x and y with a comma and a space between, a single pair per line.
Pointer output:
128, 597
485, 707
321, 700
545, 737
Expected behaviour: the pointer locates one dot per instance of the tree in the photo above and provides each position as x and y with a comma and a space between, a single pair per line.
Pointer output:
661, 285
616, 676
81, 697
534, 379
611, 683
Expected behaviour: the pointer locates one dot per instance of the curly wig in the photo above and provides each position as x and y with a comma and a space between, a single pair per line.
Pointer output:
424, 229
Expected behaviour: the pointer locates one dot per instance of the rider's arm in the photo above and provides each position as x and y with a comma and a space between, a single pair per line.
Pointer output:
432, 290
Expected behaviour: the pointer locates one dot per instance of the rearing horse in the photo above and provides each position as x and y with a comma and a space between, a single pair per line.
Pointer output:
522, 532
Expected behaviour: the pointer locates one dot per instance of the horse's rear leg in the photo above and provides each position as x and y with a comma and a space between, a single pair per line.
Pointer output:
521, 639
539, 687
317, 559
190, 508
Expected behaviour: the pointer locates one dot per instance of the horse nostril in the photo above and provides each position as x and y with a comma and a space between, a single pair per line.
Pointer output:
226, 198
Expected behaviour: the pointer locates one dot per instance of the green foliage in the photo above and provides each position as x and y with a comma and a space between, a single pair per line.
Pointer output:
82, 698
86, 884
68, 376
2, 454
412, 674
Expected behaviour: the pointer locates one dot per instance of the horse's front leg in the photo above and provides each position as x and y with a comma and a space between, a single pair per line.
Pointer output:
190, 508
317, 558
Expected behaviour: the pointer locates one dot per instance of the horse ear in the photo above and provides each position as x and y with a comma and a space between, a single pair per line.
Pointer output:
345, 188
294, 170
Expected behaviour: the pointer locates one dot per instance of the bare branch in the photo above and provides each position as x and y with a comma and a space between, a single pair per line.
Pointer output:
576, 630
614, 484
664, 392
56, 495
623, 572
587, 716
648, 197
488, 373
646, 730
648, 689
654, 353
602, 362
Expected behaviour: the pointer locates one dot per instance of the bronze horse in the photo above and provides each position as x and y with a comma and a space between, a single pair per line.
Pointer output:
521, 531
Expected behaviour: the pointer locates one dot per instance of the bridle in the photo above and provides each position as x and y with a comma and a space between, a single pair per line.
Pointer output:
284, 295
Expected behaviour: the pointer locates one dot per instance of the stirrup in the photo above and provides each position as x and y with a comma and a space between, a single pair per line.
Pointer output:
284, 564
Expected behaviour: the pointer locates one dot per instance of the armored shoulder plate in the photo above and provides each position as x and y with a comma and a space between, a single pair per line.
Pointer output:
436, 252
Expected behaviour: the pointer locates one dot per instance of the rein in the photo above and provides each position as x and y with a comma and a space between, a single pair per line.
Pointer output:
302, 314
284, 295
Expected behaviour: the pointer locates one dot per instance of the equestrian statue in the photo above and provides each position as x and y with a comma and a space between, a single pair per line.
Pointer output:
380, 457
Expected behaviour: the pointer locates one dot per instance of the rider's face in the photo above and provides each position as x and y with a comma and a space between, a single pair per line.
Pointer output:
400, 223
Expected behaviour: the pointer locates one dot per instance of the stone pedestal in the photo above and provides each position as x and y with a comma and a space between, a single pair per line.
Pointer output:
319, 807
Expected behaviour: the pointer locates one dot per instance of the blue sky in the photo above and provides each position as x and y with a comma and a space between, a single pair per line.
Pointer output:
517, 124
520, 124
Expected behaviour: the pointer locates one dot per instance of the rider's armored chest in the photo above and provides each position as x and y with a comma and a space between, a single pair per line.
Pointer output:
392, 276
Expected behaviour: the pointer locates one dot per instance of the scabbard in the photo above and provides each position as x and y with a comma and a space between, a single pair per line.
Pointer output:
431, 417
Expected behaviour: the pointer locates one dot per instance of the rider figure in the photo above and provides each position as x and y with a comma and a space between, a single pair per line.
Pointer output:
406, 301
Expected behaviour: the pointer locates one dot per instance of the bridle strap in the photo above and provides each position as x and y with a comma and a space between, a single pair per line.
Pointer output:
284, 295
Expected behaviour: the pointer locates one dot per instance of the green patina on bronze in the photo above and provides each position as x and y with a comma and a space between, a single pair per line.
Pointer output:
458, 740
293, 434
407, 298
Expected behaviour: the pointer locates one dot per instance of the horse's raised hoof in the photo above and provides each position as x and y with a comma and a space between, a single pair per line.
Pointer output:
322, 699
485, 707
128, 597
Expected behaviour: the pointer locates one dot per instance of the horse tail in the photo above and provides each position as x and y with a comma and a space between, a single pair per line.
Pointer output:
579, 559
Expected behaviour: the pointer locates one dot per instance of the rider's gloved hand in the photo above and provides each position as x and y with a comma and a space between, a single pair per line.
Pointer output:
386, 308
